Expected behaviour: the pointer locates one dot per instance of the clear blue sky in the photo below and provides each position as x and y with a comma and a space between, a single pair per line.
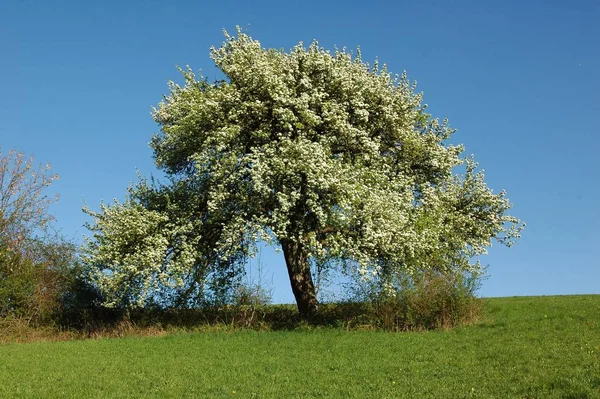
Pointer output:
520, 80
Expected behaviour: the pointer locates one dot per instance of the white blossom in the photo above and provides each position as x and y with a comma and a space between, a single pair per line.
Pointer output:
308, 145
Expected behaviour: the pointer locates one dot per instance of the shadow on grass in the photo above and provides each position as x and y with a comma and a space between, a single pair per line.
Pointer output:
346, 315
266, 317
383, 316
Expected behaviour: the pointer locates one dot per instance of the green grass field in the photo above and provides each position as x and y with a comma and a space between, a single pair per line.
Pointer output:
526, 347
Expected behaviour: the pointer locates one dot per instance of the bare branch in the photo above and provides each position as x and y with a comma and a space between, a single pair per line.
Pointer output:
23, 204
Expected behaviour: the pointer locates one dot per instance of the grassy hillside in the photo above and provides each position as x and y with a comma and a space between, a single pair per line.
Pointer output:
526, 347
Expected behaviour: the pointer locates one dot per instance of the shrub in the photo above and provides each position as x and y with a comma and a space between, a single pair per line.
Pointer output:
427, 301
17, 283
81, 306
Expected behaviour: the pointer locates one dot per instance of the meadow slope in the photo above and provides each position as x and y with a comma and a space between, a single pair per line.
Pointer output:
524, 347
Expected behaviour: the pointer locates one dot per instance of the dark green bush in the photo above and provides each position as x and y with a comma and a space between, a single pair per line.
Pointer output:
81, 308
17, 284
43, 284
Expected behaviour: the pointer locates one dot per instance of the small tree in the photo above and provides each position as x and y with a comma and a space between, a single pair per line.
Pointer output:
331, 159
32, 269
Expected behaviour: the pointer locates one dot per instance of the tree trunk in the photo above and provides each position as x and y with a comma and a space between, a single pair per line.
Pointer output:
300, 278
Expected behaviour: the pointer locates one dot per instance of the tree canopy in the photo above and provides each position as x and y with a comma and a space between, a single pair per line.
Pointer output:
334, 160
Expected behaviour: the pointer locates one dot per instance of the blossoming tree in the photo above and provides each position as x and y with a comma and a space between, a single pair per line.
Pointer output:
317, 152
